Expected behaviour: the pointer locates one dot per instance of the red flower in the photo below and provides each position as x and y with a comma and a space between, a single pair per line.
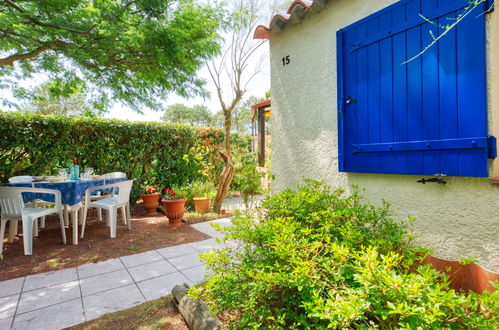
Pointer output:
168, 190
155, 188
173, 194
149, 190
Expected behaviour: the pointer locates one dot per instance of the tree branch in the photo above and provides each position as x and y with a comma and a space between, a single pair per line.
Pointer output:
55, 26
9, 60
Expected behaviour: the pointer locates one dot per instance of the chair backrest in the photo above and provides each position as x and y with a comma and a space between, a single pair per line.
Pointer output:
124, 191
114, 175
11, 202
21, 179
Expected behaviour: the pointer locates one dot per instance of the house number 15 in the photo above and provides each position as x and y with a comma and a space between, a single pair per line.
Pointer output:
285, 60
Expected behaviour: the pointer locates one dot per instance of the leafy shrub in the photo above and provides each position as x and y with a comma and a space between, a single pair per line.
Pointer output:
317, 259
149, 152
247, 179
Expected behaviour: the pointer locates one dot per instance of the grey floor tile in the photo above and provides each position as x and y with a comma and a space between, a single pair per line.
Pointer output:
111, 301
53, 317
43, 280
207, 228
151, 270
52, 295
175, 251
104, 282
207, 245
5, 323
186, 261
8, 306
10, 287
141, 258
161, 286
98, 268
195, 274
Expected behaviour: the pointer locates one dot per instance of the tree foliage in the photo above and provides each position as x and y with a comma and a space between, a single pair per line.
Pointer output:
59, 98
198, 115
133, 51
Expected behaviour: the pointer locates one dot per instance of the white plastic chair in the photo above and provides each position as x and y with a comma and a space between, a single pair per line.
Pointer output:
114, 175
13, 209
21, 179
120, 199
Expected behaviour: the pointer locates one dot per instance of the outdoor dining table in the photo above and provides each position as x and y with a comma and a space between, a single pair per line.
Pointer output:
72, 195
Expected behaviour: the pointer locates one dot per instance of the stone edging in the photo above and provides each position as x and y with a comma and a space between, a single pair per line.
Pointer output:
196, 314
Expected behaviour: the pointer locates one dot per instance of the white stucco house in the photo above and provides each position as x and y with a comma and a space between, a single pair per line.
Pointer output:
348, 109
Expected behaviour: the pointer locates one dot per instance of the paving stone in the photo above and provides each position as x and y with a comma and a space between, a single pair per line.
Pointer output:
104, 282
206, 228
207, 245
98, 268
43, 280
151, 270
175, 251
52, 295
141, 258
186, 261
5, 323
52, 317
195, 274
10, 287
111, 301
8, 306
161, 286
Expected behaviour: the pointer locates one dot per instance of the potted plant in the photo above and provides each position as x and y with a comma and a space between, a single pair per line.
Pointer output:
174, 205
150, 198
203, 192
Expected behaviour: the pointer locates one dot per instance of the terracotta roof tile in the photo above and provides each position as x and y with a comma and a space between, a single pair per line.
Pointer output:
295, 14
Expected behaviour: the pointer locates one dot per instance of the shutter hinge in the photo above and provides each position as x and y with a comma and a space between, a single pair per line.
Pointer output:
492, 146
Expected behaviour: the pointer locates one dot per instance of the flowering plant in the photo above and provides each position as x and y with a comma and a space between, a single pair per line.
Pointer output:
170, 194
151, 190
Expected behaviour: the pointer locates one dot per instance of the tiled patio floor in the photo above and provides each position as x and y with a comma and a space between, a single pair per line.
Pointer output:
71, 296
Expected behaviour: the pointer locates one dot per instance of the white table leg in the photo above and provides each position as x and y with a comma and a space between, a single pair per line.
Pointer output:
74, 217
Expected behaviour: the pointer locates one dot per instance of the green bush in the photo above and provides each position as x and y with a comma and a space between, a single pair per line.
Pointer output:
317, 259
149, 152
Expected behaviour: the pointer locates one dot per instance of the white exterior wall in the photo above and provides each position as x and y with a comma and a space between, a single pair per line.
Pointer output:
459, 219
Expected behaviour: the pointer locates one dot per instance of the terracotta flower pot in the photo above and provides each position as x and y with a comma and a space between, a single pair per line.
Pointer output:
174, 210
202, 204
151, 203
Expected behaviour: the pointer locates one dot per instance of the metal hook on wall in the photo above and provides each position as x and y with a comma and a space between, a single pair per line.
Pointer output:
438, 179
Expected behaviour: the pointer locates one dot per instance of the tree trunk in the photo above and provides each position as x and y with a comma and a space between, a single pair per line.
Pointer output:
228, 172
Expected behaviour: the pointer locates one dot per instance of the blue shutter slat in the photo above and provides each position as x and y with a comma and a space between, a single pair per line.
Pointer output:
361, 106
414, 97
449, 161
399, 90
431, 160
424, 117
472, 90
373, 97
341, 99
385, 94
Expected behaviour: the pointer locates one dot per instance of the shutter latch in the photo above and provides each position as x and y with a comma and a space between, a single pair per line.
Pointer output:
350, 100
438, 179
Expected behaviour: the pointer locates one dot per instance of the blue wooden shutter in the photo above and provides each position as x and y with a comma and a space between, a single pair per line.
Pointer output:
428, 116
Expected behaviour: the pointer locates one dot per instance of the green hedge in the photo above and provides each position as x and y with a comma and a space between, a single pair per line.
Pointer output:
148, 152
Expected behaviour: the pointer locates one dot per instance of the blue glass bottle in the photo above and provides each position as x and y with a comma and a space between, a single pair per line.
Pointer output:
74, 171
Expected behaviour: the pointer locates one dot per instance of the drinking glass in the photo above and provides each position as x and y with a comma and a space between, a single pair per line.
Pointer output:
64, 172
